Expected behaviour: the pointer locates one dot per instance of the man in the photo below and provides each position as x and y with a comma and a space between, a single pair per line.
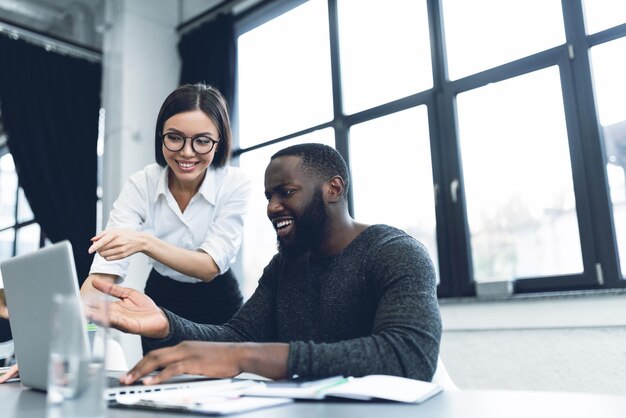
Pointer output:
340, 297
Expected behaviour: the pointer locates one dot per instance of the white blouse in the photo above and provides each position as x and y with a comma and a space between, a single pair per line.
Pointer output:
212, 221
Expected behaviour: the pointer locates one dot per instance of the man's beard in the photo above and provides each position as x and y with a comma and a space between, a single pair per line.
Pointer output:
310, 228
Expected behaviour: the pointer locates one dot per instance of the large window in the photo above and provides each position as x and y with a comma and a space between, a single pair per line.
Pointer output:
482, 34
404, 183
499, 144
384, 51
610, 86
289, 75
19, 233
519, 191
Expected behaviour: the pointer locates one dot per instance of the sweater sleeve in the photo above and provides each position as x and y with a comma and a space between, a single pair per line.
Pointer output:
406, 331
254, 322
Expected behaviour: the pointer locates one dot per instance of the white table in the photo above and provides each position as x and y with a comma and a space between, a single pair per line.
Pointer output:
18, 402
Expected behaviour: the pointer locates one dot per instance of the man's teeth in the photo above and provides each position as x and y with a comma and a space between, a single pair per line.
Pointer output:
186, 165
283, 224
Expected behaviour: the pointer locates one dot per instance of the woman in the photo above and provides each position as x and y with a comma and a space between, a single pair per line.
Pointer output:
185, 212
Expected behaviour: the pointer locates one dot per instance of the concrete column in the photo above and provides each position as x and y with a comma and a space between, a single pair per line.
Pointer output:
141, 67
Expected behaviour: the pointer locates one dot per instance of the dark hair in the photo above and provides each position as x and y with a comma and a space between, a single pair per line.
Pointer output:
320, 161
191, 97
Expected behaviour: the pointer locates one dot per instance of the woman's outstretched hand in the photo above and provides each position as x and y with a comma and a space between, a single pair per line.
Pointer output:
117, 244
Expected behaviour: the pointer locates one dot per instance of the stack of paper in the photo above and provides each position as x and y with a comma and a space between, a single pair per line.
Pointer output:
392, 388
215, 400
246, 395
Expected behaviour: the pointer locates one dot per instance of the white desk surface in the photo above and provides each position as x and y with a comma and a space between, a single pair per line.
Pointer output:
18, 402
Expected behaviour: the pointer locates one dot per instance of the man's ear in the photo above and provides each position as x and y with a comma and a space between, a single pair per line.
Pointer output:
335, 189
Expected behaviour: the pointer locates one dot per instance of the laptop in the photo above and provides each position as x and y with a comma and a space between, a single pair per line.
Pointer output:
30, 281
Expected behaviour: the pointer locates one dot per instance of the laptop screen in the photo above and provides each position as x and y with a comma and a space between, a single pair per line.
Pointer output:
30, 281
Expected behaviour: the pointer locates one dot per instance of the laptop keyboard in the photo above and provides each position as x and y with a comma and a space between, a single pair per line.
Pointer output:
113, 382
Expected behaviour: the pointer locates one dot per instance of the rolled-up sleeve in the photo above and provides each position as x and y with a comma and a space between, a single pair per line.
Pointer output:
128, 212
224, 235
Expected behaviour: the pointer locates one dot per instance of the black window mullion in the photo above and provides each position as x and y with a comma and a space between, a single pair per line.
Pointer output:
588, 279
592, 149
452, 231
448, 276
15, 227
339, 121
593, 204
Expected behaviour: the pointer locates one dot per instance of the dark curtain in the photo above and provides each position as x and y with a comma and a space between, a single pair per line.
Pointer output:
50, 106
208, 55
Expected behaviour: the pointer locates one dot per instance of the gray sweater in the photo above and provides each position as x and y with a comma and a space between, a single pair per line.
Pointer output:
371, 309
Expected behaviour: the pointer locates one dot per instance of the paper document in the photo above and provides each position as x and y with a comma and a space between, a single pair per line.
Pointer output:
311, 389
216, 400
392, 388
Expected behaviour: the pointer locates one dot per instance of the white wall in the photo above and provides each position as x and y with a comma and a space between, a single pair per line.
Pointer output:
568, 359
556, 343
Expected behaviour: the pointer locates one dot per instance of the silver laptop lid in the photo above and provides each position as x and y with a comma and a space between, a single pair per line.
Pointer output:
30, 281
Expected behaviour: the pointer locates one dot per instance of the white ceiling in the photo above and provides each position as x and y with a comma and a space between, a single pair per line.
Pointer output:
74, 20
80, 20
47, 9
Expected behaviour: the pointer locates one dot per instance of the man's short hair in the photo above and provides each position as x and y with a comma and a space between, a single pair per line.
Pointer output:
320, 161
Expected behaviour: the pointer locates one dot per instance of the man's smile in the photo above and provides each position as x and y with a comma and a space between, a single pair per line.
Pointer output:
283, 227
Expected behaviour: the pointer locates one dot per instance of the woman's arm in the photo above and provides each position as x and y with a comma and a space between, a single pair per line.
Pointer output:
224, 235
212, 257
191, 263
118, 244
87, 290
124, 237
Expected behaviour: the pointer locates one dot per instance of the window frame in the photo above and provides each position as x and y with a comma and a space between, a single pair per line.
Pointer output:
16, 226
601, 269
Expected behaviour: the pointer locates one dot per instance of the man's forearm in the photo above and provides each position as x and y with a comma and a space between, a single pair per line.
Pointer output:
265, 359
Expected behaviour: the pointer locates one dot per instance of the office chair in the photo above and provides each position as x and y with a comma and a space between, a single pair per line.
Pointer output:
115, 358
442, 378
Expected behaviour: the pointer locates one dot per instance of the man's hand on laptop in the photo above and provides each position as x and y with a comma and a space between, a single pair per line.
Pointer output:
212, 359
193, 357
134, 312
9, 373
